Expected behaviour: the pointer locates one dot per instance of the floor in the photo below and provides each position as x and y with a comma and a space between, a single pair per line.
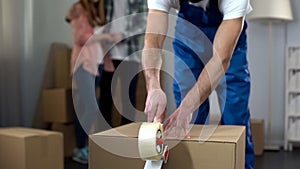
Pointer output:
279, 160
273, 160
70, 164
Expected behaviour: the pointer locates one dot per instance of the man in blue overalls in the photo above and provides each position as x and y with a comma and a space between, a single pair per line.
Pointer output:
222, 22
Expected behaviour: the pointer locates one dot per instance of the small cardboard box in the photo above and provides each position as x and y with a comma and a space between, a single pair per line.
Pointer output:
58, 105
258, 128
24, 148
225, 149
68, 131
61, 54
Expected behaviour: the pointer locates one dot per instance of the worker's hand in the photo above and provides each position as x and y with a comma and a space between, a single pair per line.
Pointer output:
180, 121
156, 103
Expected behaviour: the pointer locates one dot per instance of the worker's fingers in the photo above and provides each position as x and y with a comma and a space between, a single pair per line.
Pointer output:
180, 127
182, 132
147, 107
177, 131
162, 116
187, 132
170, 122
187, 135
161, 108
167, 126
151, 113
155, 104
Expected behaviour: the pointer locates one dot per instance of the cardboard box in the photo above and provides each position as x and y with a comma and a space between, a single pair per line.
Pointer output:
58, 105
225, 149
24, 148
61, 54
68, 131
258, 128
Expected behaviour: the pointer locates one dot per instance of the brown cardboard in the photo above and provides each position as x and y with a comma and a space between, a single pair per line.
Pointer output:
258, 128
68, 131
225, 149
61, 54
24, 148
58, 105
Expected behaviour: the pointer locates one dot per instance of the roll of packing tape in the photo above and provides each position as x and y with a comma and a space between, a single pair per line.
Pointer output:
150, 141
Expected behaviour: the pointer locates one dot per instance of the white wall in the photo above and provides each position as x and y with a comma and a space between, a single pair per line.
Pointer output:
258, 60
45, 24
11, 26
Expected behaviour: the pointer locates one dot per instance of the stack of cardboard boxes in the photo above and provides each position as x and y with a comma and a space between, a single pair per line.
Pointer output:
58, 106
28, 148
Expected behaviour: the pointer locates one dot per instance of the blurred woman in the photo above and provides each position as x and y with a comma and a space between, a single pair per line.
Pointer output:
85, 17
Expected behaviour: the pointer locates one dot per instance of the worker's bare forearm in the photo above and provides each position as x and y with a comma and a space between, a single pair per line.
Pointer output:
152, 61
152, 54
224, 45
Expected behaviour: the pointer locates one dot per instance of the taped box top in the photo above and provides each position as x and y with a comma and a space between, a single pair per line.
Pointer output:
210, 147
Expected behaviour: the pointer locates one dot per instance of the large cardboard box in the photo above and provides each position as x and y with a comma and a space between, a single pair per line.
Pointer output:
24, 148
58, 105
68, 131
258, 136
61, 54
225, 149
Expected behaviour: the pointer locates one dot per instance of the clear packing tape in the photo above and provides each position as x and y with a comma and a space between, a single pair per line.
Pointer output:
151, 141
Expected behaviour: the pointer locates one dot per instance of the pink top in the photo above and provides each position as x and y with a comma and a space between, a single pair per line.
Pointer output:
85, 54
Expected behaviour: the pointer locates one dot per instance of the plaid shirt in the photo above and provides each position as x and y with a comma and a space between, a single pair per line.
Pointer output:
135, 25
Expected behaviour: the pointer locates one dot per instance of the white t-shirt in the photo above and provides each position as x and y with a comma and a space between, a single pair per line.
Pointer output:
230, 8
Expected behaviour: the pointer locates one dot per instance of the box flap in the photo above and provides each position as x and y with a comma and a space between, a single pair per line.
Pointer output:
220, 133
